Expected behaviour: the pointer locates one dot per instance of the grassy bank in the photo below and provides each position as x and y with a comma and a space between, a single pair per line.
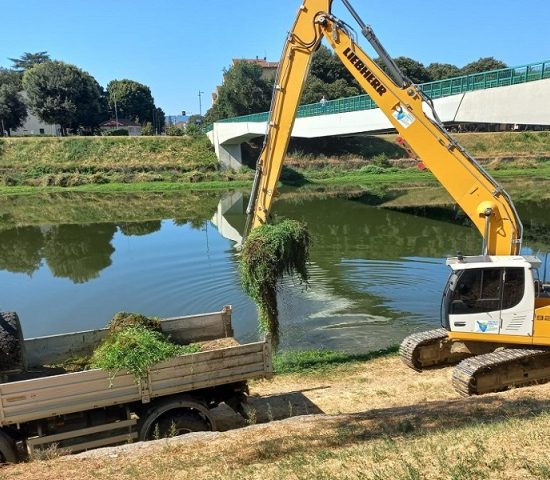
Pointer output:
91, 161
359, 419
110, 164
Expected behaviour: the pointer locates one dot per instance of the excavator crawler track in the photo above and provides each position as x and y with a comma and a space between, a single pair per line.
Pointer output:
501, 369
414, 346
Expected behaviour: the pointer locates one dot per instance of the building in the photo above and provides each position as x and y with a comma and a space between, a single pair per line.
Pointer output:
134, 129
269, 69
34, 126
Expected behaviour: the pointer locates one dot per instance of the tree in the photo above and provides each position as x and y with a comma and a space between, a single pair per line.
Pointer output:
412, 69
482, 65
13, 110
64, 94
133, 100
315, 89
10, 77
441, 71
328, 78
29, 60
327, 67
243, 91
159, 120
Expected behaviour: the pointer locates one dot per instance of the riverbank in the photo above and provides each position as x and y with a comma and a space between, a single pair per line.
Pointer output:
158, 164
352, 418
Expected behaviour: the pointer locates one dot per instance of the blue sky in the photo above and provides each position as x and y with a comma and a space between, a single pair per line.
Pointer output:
179, 47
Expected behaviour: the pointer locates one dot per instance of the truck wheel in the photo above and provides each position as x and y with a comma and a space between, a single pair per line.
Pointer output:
175, 416
8, 453
180, 422
11, 343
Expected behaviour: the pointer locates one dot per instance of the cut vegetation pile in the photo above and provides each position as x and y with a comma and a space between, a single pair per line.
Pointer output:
136, 349
134, 343
270, 252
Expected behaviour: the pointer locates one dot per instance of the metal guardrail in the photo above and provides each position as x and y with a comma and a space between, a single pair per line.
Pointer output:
441, 88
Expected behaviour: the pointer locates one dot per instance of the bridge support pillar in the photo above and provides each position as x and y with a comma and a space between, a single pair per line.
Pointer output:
230, 155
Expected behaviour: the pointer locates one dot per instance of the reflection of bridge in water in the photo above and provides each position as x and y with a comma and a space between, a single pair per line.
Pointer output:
229, 218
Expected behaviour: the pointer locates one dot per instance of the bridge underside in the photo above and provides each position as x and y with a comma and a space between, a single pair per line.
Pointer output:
523, 104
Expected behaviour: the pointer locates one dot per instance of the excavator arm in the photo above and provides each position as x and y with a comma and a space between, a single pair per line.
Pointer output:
407, 108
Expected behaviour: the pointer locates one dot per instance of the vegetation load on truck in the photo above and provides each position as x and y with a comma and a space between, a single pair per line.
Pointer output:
43, 404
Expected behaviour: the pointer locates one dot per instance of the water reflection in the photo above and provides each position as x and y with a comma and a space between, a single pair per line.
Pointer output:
376, 273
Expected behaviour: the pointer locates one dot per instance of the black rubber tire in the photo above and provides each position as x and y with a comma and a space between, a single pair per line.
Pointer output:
8, 453
11, 343
179, 422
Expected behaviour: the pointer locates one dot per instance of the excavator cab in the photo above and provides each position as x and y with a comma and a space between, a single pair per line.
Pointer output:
488, 295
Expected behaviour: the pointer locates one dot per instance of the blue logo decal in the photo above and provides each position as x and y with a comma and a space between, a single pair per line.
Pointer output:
482, 326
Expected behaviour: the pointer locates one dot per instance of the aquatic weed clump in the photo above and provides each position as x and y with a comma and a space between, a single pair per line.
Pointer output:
270, 252
123, 320
136, 349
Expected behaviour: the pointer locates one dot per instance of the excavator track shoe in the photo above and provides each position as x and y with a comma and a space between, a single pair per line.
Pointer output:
501, 369
412, 347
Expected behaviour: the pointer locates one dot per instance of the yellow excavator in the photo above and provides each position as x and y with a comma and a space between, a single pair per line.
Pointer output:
495, 312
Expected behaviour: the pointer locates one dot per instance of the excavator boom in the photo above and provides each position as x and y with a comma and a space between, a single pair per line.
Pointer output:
406, 107
491, 301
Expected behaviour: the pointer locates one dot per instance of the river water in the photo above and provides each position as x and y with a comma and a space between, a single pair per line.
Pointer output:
377, 273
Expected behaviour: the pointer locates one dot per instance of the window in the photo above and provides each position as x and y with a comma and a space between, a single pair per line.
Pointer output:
514, 287
42, 131
477, 291
488, 290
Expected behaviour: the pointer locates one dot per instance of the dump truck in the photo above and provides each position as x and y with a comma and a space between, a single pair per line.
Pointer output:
42, 405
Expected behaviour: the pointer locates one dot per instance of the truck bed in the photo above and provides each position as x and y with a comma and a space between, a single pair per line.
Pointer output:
27, 400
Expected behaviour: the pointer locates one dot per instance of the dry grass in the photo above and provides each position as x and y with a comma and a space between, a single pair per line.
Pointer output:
380, 421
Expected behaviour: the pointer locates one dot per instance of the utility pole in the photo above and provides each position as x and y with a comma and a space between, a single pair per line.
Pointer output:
200, 103
116, 111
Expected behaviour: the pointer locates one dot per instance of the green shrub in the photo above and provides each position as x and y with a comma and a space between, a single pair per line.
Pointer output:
121, 132
173, 131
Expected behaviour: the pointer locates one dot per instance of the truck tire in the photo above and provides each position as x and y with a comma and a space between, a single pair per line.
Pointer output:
180, 422
8, 453
11, 343
186, 413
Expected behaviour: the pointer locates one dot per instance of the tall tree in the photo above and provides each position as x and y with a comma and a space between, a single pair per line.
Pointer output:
29, 60
243, 91
64, 94
483, 65
441, 71
13, 110
133, 100
328, 78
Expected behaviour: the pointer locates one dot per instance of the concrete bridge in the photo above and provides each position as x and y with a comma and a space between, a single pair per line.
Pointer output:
518, 95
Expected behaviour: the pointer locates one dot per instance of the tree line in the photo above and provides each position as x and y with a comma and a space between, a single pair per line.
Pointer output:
63, 94
245, 90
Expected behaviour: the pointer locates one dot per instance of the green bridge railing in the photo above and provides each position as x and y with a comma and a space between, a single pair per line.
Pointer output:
441, 88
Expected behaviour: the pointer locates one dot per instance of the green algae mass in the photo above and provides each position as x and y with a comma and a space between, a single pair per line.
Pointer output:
270, 252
